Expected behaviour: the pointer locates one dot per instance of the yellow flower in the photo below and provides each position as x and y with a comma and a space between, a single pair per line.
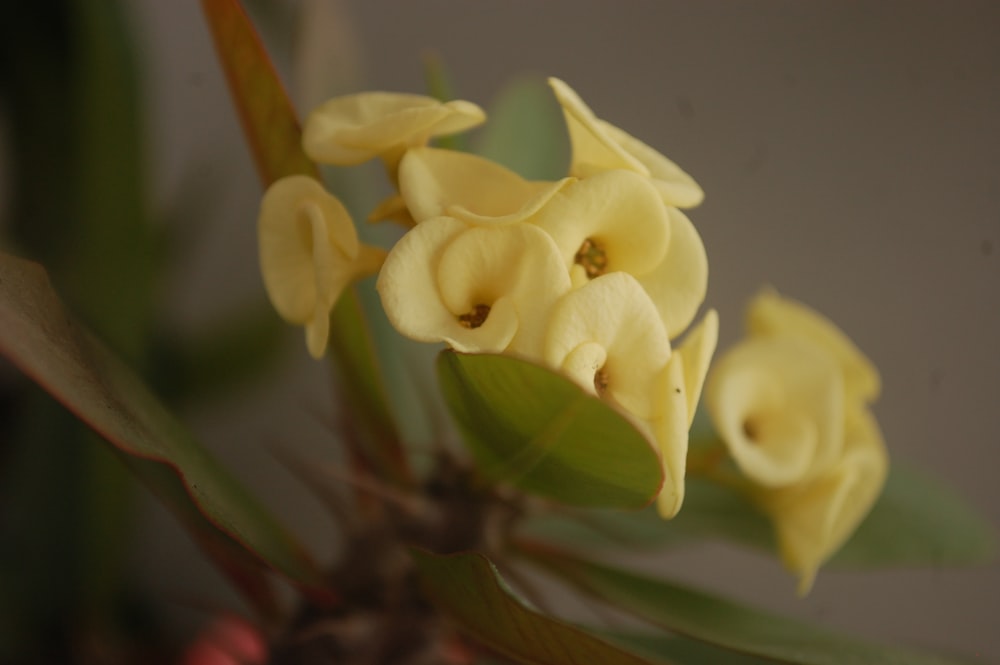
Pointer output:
616, 221
814, 519
599, 146
790, 403
679, 390
778, 403
434, 182
771, 315
355, 128
309, 252
481, 289
607, 336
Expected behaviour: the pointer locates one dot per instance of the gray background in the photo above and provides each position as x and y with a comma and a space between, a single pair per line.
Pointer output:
849, 152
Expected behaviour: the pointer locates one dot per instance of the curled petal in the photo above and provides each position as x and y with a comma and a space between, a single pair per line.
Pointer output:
309, 252
355, 128
670, 429
480, 289
813, 520
697, 349
678, 284
770, 314
599, 146
436, 182
617, 214
778, 404
679, 388
675, 186
614, 315
594, 150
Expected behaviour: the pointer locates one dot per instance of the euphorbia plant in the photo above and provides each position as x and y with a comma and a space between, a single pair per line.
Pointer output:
573, 372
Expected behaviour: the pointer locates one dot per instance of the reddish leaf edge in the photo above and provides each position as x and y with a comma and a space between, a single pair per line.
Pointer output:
312, 584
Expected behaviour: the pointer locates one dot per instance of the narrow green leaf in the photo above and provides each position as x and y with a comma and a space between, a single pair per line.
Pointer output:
526, 132
721, 622
532, 427
269, 121
919, 521
468, 587
37, 335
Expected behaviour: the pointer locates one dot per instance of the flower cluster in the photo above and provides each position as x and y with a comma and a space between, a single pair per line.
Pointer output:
591, 275
791, 404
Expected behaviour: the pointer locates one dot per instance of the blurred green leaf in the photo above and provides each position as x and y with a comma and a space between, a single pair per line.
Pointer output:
468, 587
721, 622
710, 512
529, 426
230, 354
526, 132
37, 335
919, 521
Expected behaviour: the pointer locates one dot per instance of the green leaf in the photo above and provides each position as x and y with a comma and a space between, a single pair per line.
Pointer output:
468, 587
526, 132
269, 121
710, 511
532, 427
919, 521
37, 335
680, 650
230, 354
721, 622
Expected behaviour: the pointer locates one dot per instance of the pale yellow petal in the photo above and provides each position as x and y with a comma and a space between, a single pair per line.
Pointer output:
615, 314
599, 146
355, 128
697, 349
617, 214
770, 314
518, 263
675, 186
436, 182
778, 404
318, 331
593, 150
305, 237
815, 519
670, 429
408, 286
477, 288
678, 284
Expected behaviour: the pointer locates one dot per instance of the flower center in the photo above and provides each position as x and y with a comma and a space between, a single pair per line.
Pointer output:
750, 429
601, 381
476, 317
592, 257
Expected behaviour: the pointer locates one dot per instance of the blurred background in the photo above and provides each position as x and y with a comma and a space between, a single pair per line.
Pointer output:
850, 154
